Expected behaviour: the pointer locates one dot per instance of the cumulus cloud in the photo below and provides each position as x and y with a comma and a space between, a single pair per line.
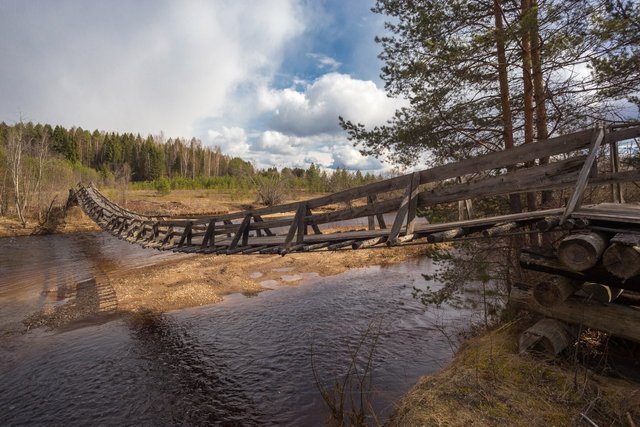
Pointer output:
231, 140
348, 157
140, 66
316, 109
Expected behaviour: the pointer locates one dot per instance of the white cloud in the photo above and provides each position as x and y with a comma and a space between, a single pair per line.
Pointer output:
232, 141
324, 61
316, 110
137, 66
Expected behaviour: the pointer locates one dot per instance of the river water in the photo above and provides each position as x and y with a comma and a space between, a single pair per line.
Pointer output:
249, 360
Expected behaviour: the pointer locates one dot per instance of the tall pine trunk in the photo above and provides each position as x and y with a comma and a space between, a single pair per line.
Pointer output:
505, 100
539, 92
528, 88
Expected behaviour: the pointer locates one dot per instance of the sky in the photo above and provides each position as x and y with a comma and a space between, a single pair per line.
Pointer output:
264, 80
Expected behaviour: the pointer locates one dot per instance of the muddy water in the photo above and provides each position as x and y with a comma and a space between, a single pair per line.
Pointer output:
246, 361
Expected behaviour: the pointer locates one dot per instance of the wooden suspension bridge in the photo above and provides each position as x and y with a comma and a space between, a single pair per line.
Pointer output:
602, 244
294, 227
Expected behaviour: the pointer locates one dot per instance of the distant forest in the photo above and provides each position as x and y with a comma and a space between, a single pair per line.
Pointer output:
37, 161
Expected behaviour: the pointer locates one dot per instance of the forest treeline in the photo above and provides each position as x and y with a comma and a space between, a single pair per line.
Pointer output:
38, 162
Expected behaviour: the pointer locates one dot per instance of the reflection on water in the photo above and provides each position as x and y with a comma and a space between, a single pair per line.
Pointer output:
35, 270
245, 361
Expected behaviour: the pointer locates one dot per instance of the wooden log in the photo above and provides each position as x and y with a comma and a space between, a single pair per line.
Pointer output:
499, 229
597, 274
316, 246
600, 293
548, 336
622, 258
554, 290
615, 319
445, 236
362, 244
581, 251
340, 245
253, 250
548, 223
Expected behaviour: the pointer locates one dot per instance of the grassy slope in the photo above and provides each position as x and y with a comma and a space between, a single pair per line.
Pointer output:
488, 383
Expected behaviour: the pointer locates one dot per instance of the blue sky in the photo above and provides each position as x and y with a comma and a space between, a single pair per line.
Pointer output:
262, 79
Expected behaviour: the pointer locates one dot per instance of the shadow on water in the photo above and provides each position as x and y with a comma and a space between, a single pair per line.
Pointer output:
201, 388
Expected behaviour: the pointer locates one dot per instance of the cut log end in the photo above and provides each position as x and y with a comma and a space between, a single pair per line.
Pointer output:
580, 252
553, 291
622, 261
548, 336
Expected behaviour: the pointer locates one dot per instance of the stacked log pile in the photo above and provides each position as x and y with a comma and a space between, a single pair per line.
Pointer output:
583, 285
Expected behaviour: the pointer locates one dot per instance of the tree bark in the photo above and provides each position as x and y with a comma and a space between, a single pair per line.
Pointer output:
539, 91
505, 99
528, 88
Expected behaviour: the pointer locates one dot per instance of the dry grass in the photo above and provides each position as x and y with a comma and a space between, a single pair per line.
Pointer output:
488, 383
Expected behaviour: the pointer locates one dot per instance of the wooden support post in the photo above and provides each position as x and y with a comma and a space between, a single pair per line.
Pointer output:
297, 225
413, 203
581, 183
209, 238
371, 221
258, 218
616, 187
314, 226
228, 222
186, 235
622, 258
581, 251
241, 232
404, 209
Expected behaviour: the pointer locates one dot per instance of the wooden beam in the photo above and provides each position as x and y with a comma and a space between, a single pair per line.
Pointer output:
413, 202
241, 233
209, 238
185, 235
581, 184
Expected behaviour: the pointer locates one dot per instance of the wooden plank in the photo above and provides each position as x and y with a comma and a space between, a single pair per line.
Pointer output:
527, 179
581, 183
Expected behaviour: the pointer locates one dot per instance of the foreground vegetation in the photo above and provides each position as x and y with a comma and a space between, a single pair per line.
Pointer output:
489, 383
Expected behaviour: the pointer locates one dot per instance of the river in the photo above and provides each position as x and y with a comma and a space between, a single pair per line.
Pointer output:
249, 360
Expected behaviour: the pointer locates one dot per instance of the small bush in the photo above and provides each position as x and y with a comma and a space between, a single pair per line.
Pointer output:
162, 186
